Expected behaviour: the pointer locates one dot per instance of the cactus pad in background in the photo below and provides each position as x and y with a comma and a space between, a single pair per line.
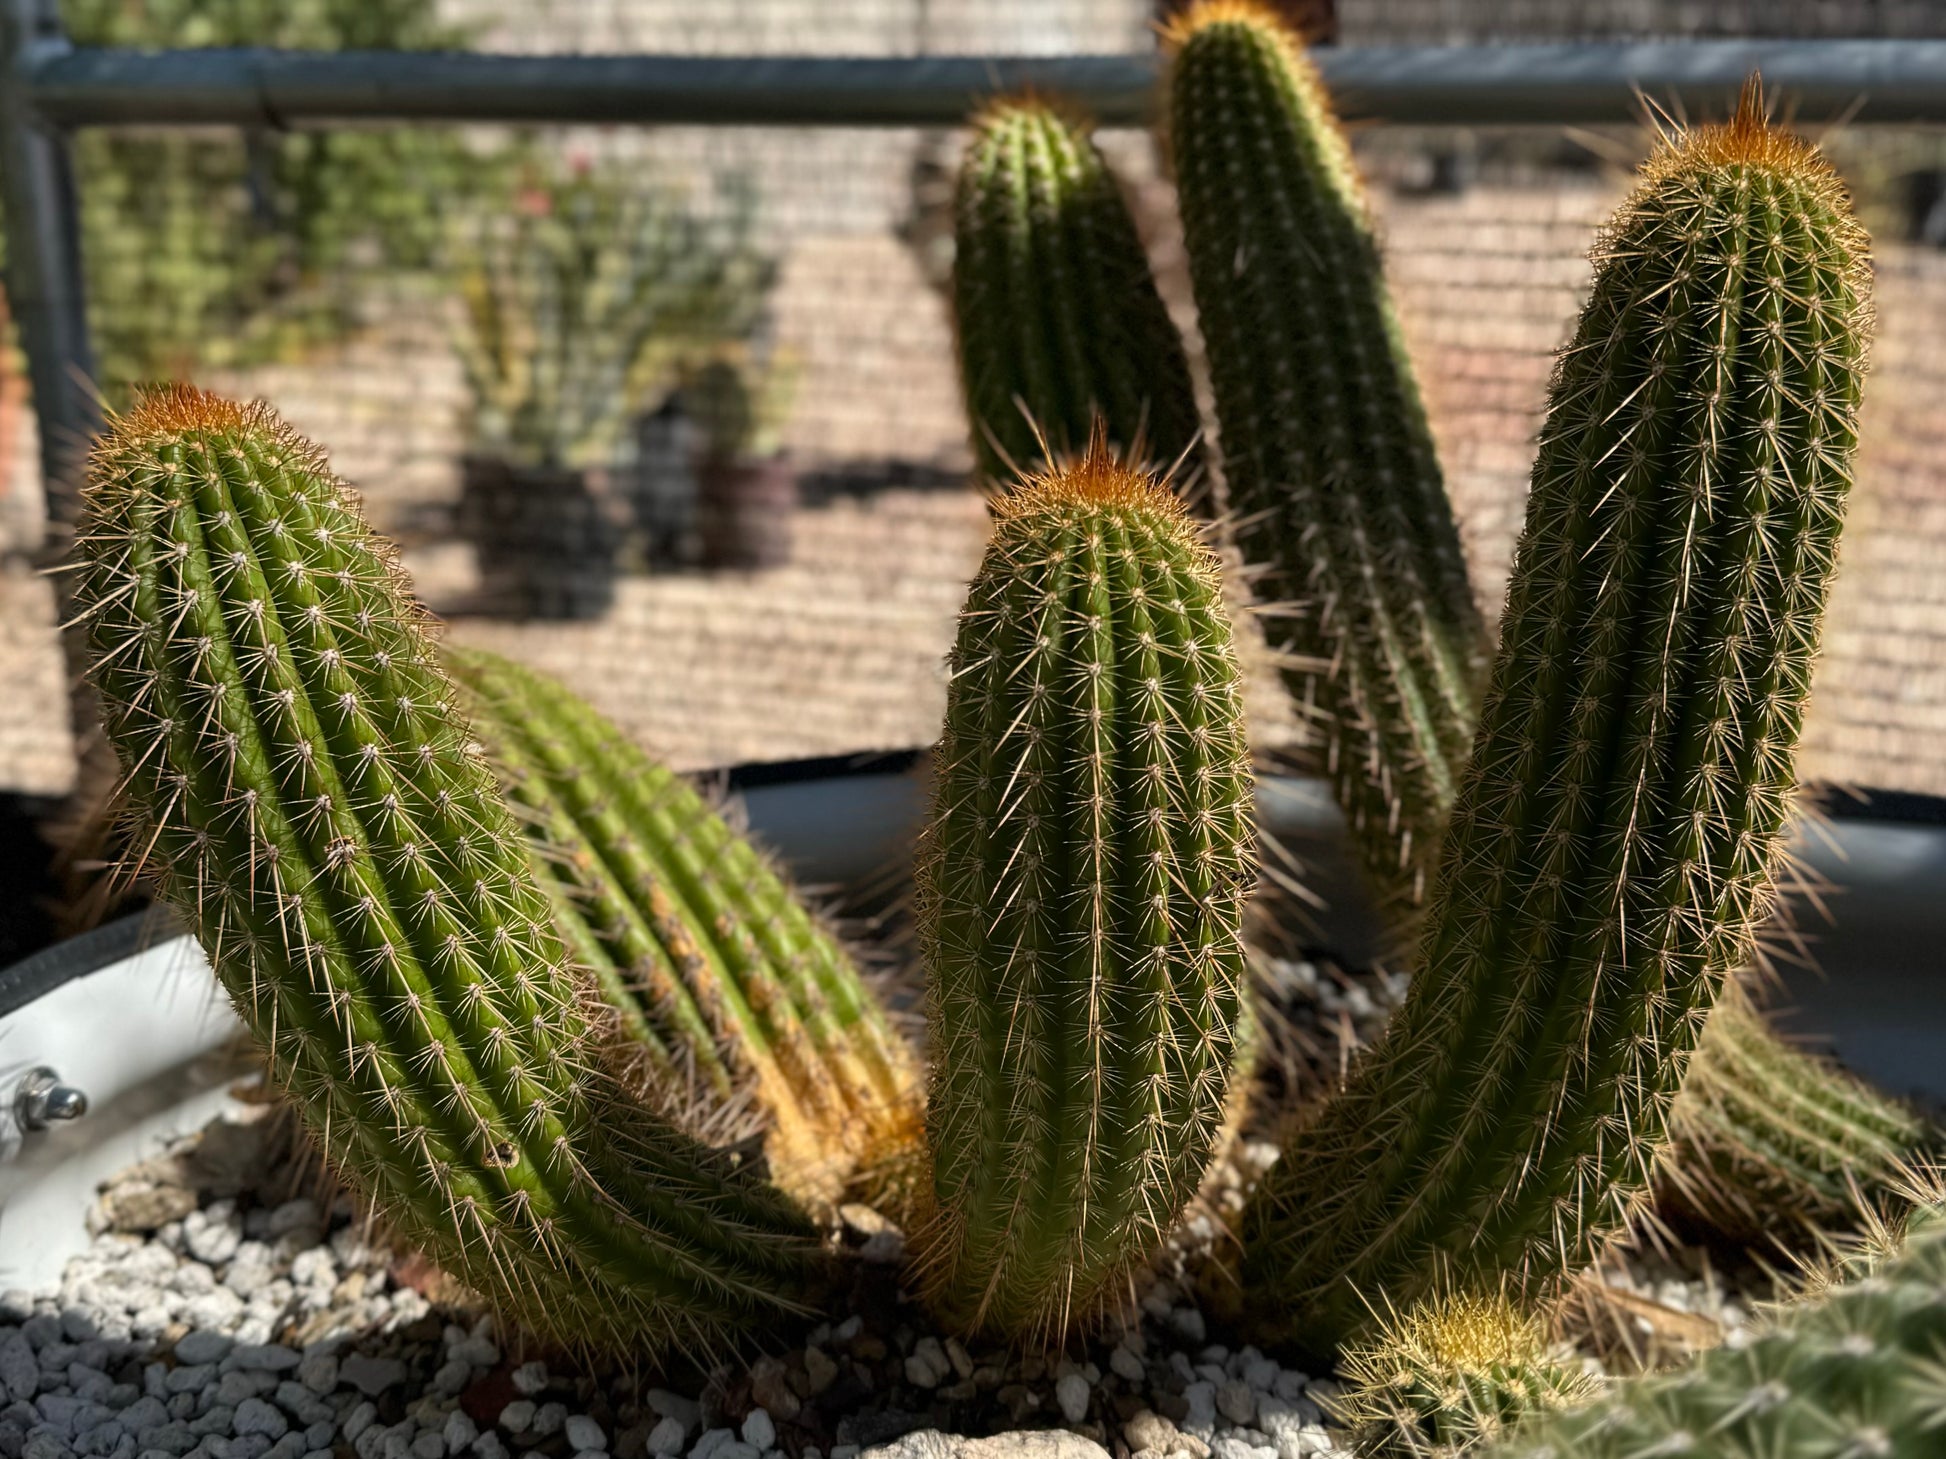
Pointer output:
1451, 1372
1614, 840
1082, 885
1856, 1371
1333, 483
1057, 314
307, 798
1771, 1145
729, 985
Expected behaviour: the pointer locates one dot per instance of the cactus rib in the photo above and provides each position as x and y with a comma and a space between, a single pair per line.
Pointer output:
1082, 883
1056, 312
1613, 842
1333, 482
306, 795
735, 987
1769, 1144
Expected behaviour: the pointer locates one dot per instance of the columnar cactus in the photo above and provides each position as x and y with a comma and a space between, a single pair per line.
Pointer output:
307, 797
728, 984
1768, 1144
1058, 316
1333, 483
1456, 1369
1855, 1371
1082, 885
1614, 838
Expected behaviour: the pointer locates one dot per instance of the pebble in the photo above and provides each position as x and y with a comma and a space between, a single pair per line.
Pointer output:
1071, 1393
758, 1431
667, 1437
203, 1346
518, 1416
530, 1378
254, 1416
371, 1376
585, 1435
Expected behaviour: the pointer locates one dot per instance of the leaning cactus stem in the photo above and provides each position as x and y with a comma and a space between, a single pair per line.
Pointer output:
1334, 486
1082, 885
1058, 318
727, 982
306, 795
1613, 843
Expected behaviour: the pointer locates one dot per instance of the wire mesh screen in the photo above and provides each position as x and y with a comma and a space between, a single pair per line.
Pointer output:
426, 302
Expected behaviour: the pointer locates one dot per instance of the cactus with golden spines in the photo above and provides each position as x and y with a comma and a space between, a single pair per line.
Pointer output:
1615, 838
729, 986
306, 794
1082, 885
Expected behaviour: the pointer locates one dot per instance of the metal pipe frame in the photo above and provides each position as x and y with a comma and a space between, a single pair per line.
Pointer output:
1578, 83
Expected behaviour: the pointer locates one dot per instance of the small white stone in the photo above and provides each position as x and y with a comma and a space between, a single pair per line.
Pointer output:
518, 1416
1124, 1364
490, 1446
549, 1418
758, 1430
666, 1438
710, 1442
460, 1431
584, 1434
530, 1378
1071, 1393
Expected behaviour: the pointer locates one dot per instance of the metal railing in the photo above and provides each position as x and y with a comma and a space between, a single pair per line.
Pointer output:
49, 87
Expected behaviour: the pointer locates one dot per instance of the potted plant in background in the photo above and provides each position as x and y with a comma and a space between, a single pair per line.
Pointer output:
746, 487
580, 301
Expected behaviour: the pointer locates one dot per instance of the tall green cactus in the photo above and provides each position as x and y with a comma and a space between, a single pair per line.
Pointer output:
1333, 482
1614, 839
1058, 316
1082, 887
728, 984
306, 795
1860, 1370
1770, 1145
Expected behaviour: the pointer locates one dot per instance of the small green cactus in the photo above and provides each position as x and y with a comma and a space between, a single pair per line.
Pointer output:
306, 795
1859, 1370
1334, 486
1613, 843
1770, 1145
1082, 885
1058, 317
1451, 1372
729, 986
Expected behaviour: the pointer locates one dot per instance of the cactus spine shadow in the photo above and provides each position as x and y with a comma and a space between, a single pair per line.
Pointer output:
306, 795
1334, 487
728, 986
1058, 319
1082, 884
1613, 842
1855, 1370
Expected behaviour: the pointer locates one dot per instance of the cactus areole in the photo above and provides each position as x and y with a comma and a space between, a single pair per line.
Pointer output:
1613, 842
1082, 885
307, 795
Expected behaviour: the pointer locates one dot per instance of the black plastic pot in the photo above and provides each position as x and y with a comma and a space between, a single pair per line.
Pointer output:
548, 538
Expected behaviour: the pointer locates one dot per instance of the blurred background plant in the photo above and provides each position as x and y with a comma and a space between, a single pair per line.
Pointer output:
584, 298
259, 243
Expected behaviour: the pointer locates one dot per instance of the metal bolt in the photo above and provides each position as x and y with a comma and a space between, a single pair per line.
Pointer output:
41, 1099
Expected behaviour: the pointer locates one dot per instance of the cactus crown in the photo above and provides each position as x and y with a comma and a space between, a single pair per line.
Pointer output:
1082, 885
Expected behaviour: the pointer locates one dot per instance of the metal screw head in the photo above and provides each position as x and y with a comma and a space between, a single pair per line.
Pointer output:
41, 1099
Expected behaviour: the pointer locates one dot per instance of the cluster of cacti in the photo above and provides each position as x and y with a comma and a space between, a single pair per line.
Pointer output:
1058, 318
1769, 1144
1454, 1370
1334, 488
1613, 843
1082, 887
306, 794
727, 984
1855, 1371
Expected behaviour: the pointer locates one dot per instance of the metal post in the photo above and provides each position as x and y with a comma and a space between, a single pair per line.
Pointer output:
44, 257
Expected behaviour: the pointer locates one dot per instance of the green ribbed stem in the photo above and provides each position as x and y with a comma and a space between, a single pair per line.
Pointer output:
1614, 841
725, 977
1768, 1144
1057, 312
306, 796
1334, 486
1082, 887
1854, 1372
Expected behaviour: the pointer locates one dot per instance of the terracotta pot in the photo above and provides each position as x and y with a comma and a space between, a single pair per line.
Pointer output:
547, 537
744, 511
